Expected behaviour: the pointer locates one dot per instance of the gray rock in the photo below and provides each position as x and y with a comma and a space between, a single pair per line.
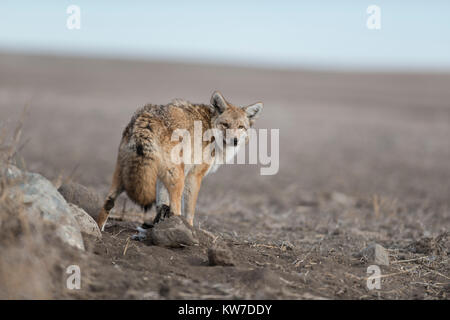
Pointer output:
43, 200
220, 257
173, 232
86, 223
375, 254
84, 198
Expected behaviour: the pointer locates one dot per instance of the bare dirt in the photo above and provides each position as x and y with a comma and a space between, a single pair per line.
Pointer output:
364, 158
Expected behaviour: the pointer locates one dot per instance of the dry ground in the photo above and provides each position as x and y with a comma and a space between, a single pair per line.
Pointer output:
363, 158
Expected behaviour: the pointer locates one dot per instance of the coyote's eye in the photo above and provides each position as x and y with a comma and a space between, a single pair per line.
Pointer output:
241, 127
225, 125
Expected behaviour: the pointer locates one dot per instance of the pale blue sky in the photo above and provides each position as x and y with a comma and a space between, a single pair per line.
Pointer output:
311, 34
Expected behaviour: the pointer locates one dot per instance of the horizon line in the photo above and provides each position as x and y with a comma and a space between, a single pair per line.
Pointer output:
378, 68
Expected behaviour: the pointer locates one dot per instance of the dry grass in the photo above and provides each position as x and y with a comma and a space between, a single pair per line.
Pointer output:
29, 253
22, 273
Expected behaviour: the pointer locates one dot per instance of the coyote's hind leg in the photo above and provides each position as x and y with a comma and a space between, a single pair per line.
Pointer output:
115, 190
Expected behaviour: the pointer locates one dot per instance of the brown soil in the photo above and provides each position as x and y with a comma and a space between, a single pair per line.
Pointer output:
363, 158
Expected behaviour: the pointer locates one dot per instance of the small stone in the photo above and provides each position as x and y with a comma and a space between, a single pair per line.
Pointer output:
336, 231
220, 257
375, 254
172, 232
343, 199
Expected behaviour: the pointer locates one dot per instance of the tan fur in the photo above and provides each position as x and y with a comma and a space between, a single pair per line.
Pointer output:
145, 152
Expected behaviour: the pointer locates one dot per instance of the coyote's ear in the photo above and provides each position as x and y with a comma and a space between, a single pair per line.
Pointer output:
218, 102
253, 110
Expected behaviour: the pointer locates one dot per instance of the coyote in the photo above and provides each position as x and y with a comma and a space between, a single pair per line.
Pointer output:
145, 170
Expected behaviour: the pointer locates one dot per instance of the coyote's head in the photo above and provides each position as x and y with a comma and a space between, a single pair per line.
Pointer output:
232, 121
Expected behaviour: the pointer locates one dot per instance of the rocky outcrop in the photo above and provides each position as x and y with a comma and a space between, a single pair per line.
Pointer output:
42, 200
81, 196
85, 222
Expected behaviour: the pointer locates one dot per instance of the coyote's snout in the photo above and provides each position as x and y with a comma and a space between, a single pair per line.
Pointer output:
145, 169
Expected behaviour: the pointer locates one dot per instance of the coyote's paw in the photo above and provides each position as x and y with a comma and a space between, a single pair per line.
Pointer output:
141, 236
162, 212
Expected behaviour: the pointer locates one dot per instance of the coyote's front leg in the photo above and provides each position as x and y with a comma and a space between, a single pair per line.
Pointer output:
173, 180
191, 189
